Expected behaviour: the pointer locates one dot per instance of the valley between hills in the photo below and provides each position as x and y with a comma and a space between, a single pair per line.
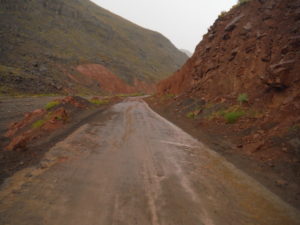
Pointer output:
105, 122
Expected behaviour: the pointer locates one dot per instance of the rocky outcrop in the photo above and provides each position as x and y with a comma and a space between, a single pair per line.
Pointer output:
246, 67
253, 48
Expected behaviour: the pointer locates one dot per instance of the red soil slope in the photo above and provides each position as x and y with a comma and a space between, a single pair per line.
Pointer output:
98, 77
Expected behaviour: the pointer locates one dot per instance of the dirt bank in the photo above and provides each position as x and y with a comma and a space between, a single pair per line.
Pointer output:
28, 130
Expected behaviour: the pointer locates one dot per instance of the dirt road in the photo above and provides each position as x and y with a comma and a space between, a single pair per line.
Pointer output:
137, 168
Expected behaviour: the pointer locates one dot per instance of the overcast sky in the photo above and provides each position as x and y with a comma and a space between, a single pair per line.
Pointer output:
184, 22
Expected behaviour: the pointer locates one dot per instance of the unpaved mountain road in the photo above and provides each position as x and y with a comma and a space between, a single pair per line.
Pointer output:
136, 168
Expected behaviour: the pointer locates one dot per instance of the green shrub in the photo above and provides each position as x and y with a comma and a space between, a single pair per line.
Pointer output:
191, 115
130, 95
295, 128
137, 94
242, 98
233, 116
99, 101
167, 96
51, 105
223, 13
58, 118
38, 123
242, 2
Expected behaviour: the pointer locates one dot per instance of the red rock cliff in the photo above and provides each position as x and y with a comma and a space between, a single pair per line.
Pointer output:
253, 48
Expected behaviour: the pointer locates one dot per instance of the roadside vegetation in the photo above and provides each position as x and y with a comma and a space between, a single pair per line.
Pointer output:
191, 115
51, 105
130, 95
98, 101
229, 113
222, 14
38, 123
242, 2
232, 117
242, 98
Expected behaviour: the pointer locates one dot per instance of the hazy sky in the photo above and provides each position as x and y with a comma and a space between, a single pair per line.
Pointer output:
184, 22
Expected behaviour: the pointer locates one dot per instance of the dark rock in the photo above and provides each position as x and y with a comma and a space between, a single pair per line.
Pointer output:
295, 41
285, 50
233, 54
226, 37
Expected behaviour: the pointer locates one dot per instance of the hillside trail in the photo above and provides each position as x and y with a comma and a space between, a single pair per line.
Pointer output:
137, 168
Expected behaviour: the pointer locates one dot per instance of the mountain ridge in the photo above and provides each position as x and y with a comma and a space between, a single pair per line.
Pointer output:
42, 37
187, 52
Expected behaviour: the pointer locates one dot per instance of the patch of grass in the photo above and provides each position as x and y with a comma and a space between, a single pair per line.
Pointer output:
216, 114
44, 95
233, 116
137, 94
11, 70
223, 13
38, 123
99, 101
242, 2
51, 105
295, 128
191, 115
255, 114
232, 113
169, 95
194, 113
58, 118
242, 98
130, 95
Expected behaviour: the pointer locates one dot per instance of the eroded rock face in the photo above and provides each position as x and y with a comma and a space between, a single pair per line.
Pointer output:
254, 48
98, 75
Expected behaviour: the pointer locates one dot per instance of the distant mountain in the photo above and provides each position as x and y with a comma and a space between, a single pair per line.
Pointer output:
44, 43
187, 52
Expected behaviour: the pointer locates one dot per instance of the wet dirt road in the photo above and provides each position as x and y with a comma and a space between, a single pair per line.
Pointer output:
136, 168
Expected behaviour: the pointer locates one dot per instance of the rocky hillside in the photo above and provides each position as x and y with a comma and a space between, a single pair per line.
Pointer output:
240, 92
243, 84
44, 43
254, 48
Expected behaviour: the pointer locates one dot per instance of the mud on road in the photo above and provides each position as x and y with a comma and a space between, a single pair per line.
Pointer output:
137, 168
